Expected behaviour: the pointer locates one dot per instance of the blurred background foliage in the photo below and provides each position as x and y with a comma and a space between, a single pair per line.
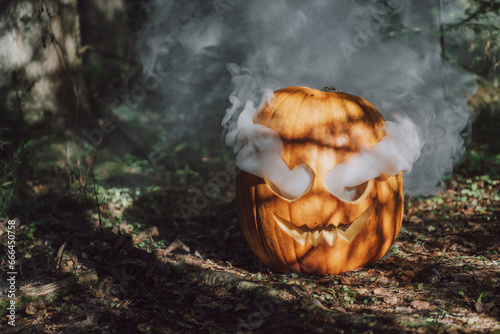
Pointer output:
65, 79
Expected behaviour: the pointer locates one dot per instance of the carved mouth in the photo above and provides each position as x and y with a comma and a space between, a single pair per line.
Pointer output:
302, 234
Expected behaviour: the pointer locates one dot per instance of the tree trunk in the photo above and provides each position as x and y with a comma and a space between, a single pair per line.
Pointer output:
40, 70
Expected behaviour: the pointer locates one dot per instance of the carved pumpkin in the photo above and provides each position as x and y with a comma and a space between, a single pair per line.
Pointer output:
319, 233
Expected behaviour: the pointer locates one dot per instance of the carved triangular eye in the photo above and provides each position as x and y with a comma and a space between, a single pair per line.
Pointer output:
356, 192
294, 185
337, 183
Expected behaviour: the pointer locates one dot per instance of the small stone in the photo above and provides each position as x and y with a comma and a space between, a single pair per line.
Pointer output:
416, 220
391, 300
30, 309
403, 309
431, 274
420, 304
462, 277
383, 281
381, 292
361, 291
478, 306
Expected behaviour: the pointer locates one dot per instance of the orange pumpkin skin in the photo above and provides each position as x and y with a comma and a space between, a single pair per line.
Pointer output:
320, 129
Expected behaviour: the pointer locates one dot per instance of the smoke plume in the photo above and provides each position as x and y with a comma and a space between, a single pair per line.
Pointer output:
234, 54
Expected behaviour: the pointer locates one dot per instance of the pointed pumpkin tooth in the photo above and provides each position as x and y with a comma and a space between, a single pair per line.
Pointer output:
309, 237
330, 236
319, 238
314, 238
343, 236
300, 237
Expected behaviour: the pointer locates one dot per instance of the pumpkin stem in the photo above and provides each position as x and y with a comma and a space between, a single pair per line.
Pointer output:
329, 89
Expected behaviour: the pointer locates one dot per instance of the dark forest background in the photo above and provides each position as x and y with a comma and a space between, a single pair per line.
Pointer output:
70, 65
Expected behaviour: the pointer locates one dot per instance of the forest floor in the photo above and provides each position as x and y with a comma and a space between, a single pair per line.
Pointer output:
136, 265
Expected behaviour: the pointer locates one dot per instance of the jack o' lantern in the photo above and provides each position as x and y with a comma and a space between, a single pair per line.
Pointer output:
319, 232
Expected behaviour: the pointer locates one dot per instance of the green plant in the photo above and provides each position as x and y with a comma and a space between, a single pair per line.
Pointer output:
14, 169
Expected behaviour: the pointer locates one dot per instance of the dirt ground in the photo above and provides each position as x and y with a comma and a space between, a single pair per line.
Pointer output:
155, 272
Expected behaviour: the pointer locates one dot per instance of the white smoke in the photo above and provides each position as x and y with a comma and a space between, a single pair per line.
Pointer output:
386, 52
398, 150
259, 149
